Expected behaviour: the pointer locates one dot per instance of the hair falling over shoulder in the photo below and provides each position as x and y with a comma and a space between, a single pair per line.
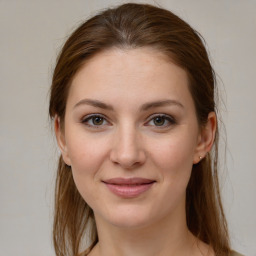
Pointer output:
135, 26
72, 214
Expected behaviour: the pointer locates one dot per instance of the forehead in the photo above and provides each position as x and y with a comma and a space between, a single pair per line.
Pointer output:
128, 75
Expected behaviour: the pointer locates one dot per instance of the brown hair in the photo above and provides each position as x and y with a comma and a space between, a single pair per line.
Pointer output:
133, 26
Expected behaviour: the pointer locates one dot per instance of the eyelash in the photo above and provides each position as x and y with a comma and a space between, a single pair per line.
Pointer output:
171, 120
89, 118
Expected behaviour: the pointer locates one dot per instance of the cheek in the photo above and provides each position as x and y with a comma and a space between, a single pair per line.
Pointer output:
174, 152
173, 157
87, 155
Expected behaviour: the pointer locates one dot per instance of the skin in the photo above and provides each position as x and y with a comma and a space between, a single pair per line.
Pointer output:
131, 142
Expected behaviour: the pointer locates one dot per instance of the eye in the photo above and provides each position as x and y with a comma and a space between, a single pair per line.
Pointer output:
161, 120
95, 121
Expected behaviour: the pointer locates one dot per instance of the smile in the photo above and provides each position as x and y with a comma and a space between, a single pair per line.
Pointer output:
128, 188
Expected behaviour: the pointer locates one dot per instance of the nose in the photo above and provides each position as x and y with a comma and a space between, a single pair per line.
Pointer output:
127, 149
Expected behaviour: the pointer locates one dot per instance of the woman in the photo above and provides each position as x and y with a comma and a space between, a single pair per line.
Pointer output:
133, 103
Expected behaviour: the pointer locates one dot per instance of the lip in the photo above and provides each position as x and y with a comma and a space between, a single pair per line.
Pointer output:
128, 188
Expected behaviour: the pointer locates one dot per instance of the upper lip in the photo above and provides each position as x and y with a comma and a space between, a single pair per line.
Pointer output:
128, 181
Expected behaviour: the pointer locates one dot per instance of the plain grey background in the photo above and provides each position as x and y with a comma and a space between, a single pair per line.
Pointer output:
31, 34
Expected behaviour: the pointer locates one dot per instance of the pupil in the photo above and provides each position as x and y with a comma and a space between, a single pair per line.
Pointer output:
97, 120
159, 121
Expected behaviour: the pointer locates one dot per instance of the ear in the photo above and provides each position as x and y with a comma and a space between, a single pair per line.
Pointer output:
60, 137
206, 138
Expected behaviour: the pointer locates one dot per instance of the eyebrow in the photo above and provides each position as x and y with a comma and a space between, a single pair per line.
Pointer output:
161, 103
94, 103
144, 107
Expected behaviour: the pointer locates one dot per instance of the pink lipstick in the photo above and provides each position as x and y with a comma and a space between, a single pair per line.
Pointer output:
128, 188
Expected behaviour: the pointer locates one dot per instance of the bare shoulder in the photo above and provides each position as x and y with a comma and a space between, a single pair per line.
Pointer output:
206, 250
92, 251
203, 249
233, 253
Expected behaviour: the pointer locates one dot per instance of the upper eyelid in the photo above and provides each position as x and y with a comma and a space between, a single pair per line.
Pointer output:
162, 115
93, 115
168, 118
87, 118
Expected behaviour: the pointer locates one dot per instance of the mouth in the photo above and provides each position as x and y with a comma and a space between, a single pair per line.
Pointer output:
128, 188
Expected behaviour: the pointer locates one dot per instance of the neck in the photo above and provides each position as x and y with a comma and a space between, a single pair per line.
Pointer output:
166, 237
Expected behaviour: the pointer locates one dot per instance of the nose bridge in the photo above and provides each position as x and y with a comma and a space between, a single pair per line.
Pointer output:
127, 149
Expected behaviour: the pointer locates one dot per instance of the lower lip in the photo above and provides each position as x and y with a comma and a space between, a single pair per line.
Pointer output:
129, 191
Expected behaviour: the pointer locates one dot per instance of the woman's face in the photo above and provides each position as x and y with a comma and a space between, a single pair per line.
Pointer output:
131, 136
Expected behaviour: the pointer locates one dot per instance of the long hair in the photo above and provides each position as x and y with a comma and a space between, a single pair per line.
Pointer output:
132, 26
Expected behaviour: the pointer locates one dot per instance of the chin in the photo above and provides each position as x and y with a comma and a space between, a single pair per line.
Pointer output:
130, 222
128, 217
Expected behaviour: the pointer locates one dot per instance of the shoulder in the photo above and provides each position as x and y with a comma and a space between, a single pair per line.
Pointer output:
233, 253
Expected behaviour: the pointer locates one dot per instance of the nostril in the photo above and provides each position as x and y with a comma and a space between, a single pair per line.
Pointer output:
127, 161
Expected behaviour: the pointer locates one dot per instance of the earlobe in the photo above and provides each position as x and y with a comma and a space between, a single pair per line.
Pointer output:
60, 137
206, 138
